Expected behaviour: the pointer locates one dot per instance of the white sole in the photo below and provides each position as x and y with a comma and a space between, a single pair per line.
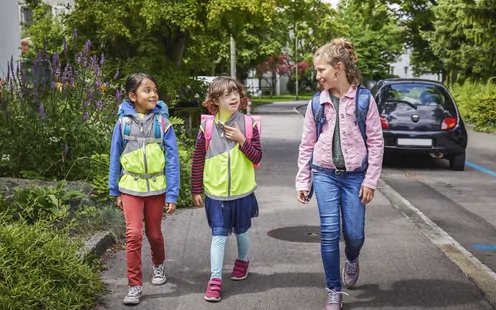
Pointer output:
159, 282
212, 299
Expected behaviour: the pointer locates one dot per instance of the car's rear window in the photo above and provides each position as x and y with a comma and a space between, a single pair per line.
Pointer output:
418, 94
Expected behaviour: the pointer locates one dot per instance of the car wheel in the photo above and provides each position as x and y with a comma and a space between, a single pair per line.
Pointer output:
457, 162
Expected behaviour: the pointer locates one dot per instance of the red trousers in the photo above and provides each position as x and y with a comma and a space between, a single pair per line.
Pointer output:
135, 209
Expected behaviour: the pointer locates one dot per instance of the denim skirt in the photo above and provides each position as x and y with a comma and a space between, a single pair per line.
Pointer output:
225, 217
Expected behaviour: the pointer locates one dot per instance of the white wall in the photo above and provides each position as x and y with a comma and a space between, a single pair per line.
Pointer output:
403, 69
10, 34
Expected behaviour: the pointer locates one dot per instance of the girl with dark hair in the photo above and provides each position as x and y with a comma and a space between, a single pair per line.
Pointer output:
140, 164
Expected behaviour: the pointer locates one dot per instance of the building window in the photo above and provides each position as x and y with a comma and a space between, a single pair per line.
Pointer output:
26, 15
406, 70
392, 69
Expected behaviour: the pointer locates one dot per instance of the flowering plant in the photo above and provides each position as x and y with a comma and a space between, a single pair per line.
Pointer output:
55, 112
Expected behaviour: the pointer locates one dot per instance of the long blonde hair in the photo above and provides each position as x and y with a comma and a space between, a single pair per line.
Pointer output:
341, 50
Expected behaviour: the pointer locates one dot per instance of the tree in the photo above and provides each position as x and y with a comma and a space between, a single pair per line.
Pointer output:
377, 37
154, 35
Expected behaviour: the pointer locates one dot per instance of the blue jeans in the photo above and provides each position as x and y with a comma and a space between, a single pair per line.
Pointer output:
338, 196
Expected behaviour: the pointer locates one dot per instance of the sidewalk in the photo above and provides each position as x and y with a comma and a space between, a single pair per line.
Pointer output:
400, 267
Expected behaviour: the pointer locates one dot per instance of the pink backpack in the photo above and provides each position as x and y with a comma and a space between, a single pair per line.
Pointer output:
248, 128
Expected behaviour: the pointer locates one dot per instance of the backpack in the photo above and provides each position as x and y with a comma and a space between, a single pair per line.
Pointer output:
210, 119
362, 100
159, 123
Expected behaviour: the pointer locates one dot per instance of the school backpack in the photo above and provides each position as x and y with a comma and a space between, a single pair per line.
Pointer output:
159, 123
210, 119
362, 100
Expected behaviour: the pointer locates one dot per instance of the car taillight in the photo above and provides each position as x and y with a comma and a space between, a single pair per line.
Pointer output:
449, 123
384, 122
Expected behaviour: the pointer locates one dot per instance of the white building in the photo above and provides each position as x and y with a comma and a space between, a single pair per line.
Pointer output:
9, 35
403, 69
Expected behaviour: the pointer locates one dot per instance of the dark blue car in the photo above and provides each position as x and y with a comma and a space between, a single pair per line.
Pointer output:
421, 116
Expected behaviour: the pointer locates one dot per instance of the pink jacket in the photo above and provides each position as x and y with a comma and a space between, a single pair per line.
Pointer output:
352, 144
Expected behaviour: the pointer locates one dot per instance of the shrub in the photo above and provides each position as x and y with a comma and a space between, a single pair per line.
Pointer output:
34, 203
477, 103
40, 269
60, 111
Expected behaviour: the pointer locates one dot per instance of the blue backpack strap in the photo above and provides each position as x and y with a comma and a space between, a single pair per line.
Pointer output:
361, 110
318, 113
125, 129
159, 127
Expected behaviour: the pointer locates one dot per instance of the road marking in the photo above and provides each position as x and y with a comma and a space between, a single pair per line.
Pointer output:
481, 169
484, 247
483, 277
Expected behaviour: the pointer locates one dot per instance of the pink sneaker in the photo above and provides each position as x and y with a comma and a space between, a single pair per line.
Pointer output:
240, 270
214, 288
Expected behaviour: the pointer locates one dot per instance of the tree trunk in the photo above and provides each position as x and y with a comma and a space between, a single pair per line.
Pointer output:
177, 51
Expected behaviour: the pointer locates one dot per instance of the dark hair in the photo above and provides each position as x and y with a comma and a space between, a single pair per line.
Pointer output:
218, 87
134, 81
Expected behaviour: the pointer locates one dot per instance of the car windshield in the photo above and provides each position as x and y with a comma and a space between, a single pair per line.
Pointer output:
416, 95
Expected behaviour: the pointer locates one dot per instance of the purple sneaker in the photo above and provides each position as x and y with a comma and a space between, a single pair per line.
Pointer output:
334, 299
240, 270
214, 288
351, 271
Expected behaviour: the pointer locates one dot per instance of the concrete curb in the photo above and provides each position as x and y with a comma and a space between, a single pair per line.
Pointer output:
481, 275
99, 243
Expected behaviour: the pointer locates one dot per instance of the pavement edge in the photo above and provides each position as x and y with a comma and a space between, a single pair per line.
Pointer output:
483, 277
99, 243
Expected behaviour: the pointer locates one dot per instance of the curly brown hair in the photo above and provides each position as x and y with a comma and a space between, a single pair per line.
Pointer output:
342, 50
221, 85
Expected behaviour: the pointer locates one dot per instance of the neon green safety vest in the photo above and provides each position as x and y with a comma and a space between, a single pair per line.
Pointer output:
228, 174
143, 159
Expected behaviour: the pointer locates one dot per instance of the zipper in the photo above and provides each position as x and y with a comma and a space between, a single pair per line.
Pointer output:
228, 164
144, 158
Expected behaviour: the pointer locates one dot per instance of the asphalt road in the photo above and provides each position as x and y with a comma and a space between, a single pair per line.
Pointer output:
400, 267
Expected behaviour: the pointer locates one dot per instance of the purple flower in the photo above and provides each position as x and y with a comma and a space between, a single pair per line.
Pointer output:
116, 74
99, 104
86, 116
53, 84
42, 112
98, 84
87, 47
118, 95
102, 59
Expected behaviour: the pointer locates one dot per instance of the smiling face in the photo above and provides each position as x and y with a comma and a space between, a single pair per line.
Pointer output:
145, 97
327, 75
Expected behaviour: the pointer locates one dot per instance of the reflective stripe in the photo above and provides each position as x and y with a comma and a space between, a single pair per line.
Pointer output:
141, 139
145, 175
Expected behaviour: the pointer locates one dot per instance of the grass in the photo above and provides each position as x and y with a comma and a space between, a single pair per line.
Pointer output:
280, 98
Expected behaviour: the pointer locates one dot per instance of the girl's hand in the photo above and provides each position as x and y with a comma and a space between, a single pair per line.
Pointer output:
302, 197
367, 194
118, 202
234, 133
170, 207
198, 200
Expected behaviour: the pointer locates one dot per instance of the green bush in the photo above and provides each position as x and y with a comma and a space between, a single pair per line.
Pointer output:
60, 111
41, 269
35, 203
101, 217
477, 103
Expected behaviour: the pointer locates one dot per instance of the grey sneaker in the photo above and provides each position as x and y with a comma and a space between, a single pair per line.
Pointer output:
334, 300
351, 272
133, 296
159, 276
